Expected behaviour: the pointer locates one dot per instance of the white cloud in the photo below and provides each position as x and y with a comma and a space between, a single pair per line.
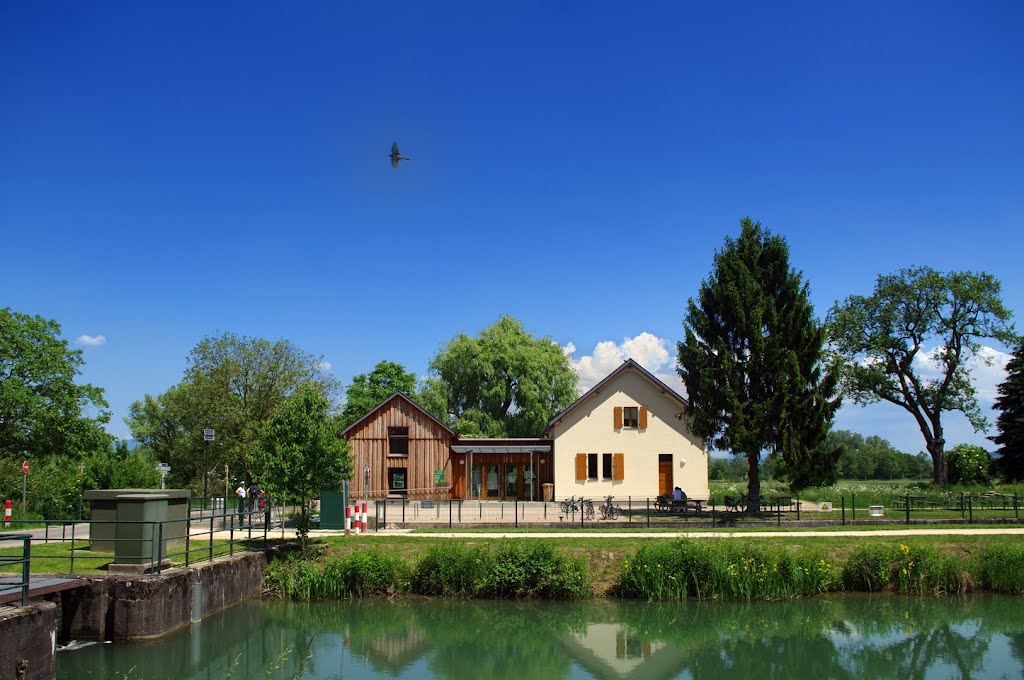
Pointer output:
325, 365
987, 368
91, 340
646, 349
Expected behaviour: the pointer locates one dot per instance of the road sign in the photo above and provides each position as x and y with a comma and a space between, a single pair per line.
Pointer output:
208, 435
24, 467
163, 467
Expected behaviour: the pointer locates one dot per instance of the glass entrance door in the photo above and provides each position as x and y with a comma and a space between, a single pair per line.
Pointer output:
505, 480
513, 479
492, 473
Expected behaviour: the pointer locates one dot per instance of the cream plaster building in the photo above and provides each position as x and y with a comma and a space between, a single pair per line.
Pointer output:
628, 435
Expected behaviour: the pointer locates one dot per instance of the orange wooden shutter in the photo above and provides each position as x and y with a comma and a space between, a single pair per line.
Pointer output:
618, 467
618, 417
643, 417
581, 467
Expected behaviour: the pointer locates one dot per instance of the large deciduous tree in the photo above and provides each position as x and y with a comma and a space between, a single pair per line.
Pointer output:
752, 362
43, 411
368, 390
1010, 421
910, 344
505, 383
299, 450
232, 385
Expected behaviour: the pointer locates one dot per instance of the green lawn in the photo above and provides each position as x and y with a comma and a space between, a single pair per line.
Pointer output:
56, 558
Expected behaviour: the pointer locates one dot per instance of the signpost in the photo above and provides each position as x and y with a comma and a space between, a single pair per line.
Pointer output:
24, 486
164, 468
207, 437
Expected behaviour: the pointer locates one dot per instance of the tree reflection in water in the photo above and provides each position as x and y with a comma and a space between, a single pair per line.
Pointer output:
836, 637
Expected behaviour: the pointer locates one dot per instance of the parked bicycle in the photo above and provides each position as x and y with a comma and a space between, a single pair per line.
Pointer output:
574, 505
609, 511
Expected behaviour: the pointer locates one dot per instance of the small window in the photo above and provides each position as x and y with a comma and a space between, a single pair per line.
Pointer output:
398, 441
631, 416
606, 466
592, 466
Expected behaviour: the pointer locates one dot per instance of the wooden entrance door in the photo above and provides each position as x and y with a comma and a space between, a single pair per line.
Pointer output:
665, 474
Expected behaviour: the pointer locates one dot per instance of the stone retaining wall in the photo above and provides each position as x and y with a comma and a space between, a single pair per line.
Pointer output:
28, 636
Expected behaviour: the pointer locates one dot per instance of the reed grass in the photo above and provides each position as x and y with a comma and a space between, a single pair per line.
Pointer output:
901, 568
724, 570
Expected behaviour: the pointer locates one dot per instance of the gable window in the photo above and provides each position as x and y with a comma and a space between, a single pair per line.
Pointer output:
592, 466
398, 441
630, 416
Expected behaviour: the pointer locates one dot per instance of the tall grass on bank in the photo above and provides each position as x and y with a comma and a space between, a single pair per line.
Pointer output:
724, 570
1000, 569
364, 573
513, 570
903, 569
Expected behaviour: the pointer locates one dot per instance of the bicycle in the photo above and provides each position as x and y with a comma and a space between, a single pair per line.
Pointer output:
609, 511
569, 505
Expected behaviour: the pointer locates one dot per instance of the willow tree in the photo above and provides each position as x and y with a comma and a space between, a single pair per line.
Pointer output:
753, 362
911, 342
505, 383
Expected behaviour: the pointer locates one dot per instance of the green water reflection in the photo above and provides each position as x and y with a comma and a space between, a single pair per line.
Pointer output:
841, 637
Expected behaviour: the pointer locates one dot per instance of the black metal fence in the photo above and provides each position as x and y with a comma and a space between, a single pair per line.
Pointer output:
658, 511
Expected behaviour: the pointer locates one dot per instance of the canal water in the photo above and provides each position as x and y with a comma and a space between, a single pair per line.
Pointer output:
854, 637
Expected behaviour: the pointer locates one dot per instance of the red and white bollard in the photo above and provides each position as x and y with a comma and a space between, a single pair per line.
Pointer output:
7, 514
365, 523
348, 519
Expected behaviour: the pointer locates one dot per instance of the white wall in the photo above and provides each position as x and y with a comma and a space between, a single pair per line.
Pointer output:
589, 428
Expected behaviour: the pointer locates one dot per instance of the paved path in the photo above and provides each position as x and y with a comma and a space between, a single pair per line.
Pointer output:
792, 533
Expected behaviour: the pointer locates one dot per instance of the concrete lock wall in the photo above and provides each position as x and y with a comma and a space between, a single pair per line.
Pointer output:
28, 638
138, 607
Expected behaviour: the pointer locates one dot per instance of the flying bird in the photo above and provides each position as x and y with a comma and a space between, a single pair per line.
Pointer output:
395, 156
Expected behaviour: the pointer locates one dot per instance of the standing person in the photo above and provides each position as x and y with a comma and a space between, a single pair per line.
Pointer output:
240, 492
254, 492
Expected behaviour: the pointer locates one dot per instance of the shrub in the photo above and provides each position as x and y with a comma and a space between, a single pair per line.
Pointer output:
368, 572
1001, 569
724, 570
451, 569
900, 568
968, 464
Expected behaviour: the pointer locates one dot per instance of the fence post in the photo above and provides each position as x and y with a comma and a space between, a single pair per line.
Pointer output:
72, 567
1015, 515
188, 534
516, 511
853, 507
906, 500
648, 513
798, 508
26, 568
970, 509
629, 515
231, 534
212, 516
778, 510
403, 508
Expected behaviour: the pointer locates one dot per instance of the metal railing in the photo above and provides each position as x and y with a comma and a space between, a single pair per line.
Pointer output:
25, 560
631, 511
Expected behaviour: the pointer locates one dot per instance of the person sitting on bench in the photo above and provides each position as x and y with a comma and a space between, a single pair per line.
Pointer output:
677, 494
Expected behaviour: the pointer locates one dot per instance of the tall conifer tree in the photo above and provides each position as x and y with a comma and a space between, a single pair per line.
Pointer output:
1010, 421
752, 362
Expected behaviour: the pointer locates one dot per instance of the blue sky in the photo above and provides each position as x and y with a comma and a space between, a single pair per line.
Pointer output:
171, 171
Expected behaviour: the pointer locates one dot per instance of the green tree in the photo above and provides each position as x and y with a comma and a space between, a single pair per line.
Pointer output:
233, 384
121, 468
368, 390
752, 362
43, 411
299, 450
505, 383
884, 343
1010, 421
969, 464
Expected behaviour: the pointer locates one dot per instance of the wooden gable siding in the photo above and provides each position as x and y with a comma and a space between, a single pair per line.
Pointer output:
429, 450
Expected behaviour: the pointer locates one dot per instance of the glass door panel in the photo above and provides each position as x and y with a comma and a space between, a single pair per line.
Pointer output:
474, 481
528, 482
493, 484
512, 481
